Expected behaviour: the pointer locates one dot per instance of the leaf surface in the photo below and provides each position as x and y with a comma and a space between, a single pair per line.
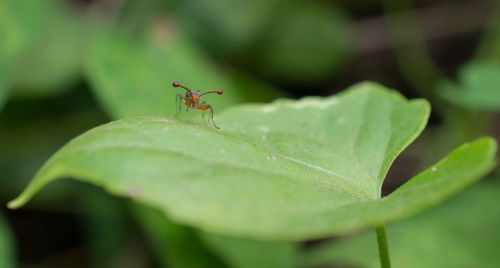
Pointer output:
288, 170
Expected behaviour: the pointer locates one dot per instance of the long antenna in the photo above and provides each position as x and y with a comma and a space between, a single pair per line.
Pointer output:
176, 84
218, 91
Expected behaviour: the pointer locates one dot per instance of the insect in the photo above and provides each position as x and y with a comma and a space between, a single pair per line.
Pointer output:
192, 100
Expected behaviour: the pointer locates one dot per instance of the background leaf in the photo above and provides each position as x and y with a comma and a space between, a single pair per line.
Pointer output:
245, 253
301, 31
20, 23
45, 43
53, 62
463, 232
7, 253
133, 78
207, 178
3, 88
108, 231
174, 245
478, 87
228, 27
27, 152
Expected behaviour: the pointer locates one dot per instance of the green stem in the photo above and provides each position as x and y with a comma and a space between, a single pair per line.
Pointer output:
383, 250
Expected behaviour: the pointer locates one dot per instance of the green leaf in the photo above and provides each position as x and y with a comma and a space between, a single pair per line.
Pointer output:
31, 138
228, 27
7, 253
245, 253
3, 88
54, 61
462, 232
131, 78
45, 43
174, 245
180, 246
478, 87
307, 41
108, 232
288, 170
20, 23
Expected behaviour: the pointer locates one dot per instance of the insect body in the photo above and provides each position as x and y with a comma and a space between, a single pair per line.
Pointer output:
192, 100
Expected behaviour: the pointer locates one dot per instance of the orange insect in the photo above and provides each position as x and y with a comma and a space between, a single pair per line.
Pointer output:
192, 100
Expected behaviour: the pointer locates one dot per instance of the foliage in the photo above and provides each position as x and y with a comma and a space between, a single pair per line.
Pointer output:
6, 244
44, 45
285, 53
289, 170
478, 87
20, 23
175, 245
3, 88
134, 78
461, 233
187, 170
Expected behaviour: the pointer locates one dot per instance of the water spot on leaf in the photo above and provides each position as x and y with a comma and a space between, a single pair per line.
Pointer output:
272, 157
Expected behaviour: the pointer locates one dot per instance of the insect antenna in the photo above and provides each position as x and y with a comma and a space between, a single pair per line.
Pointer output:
176, 84
218, 91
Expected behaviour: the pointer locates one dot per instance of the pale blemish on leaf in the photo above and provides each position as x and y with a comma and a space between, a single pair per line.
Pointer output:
267, 109
263, 128
133, 192
311, 102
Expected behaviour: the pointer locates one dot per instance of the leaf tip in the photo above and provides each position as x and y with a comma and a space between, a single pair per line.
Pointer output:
423, 104
15, 204
20, 200
491, 143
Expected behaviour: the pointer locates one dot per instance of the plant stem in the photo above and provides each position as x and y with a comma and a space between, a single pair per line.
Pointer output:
383, 250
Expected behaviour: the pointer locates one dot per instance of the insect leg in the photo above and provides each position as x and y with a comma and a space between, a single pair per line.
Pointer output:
203, 113
178, 107
212, 116
206, 107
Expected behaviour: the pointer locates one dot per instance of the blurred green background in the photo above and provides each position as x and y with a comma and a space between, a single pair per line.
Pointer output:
67, 66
